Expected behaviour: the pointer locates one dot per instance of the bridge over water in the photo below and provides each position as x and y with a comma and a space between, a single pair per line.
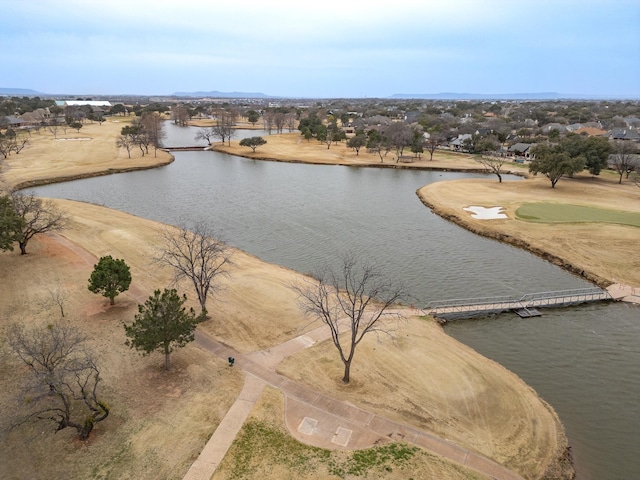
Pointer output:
525, 306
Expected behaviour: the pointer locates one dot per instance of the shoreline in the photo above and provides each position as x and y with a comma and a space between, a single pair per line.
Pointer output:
69, 178
561, 454
436, 208
346, 163
590, 274
516, 242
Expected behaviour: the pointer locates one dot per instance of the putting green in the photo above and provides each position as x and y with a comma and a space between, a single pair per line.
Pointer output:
563, 213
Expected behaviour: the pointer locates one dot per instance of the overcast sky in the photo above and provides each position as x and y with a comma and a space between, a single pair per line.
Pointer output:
321, 48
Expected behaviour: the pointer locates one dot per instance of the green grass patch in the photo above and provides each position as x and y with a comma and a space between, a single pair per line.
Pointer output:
383, 458
259, 443
564, 213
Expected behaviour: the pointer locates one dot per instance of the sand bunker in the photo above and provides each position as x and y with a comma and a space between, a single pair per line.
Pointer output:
486, 213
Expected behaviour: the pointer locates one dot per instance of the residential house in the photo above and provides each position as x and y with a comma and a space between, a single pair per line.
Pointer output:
621, 133
37, 117
457, 144
483, 131
521, 151
13, 122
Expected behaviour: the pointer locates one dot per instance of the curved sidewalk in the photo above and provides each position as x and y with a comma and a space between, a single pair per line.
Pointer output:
315, 418
217, 446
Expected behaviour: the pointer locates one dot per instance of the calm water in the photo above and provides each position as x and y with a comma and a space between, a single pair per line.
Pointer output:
584, 361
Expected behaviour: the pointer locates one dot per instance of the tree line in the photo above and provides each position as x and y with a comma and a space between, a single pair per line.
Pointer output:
143, 132
574, 153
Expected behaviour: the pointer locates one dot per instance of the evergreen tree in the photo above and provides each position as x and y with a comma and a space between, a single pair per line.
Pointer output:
162, 323
110, 278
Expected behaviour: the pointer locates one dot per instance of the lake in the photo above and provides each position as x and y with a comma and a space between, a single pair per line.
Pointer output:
585, 360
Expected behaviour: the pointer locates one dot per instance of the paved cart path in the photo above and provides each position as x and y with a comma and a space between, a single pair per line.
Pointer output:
315, 418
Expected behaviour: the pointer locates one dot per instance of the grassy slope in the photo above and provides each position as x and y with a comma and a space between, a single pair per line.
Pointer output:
160, 421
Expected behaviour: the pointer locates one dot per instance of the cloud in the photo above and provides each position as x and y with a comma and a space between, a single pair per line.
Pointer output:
493, 45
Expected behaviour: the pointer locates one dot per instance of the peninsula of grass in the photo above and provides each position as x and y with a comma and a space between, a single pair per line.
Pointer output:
547, 212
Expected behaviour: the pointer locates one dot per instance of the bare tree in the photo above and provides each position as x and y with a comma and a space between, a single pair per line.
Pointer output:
291, 121
59, 296
493, 164
487, 147
205, 134
432, 143
6, 144
153, 133
180, 115
38, 216
623, 158
400, 134
11, 141
53, 127
64, 378
332, 134
196, 255
280, 119
223, 128
268, 120
352, 301
19, 144
125, 141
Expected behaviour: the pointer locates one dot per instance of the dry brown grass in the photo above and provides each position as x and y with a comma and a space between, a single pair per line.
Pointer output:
90, 151
422, 377
291, 147
267, 438
600, 252
159, 420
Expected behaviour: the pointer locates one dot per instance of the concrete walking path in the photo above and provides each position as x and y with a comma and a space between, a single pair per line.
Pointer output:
316, 419
217, 446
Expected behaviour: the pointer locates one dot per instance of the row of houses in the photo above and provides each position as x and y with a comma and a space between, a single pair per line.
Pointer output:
42, 115
522, 151
517, 151
26, 119
594, 129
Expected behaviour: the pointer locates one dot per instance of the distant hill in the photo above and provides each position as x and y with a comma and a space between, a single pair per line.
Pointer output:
502, 96
24, 92
216, 94
482, 96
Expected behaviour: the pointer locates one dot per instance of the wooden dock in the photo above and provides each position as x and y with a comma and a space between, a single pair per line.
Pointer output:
525, 306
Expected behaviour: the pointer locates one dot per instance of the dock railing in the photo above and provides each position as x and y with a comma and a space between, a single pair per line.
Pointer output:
474, 306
